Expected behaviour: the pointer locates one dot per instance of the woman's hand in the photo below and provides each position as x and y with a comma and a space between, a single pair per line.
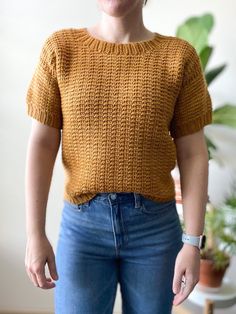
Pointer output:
187, 264
39, 252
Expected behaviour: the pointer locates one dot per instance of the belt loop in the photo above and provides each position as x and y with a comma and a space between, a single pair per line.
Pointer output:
137, 200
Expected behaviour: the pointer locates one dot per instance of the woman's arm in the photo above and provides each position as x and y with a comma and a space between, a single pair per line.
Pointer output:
44, 142
192, 159
43, 145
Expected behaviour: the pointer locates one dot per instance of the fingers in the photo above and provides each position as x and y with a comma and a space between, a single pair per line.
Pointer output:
36, 274
187, 268
52, 267
177, 280
32, 278
42, 280
185, 290
39, 252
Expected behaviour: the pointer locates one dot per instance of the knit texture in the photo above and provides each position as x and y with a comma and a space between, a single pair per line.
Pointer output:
119, 107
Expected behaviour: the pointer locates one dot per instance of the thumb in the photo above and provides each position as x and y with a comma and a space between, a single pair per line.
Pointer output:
52, 267
177, 281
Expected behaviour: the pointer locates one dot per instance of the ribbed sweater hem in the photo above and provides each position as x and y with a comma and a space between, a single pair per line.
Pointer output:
82, 198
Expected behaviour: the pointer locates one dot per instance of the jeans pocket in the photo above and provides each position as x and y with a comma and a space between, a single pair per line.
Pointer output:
150, 206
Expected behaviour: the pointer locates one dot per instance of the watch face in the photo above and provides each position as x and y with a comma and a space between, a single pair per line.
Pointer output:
203, 241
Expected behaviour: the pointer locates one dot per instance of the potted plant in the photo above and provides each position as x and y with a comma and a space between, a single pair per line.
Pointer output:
220, 229
216, 256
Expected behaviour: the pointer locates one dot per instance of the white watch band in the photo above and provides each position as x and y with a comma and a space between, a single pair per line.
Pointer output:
194, 240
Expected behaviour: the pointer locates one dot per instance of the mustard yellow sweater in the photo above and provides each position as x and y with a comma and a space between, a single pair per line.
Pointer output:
119, 106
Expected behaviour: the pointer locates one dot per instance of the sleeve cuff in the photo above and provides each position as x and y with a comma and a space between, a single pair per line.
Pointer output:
192, 126
44, 117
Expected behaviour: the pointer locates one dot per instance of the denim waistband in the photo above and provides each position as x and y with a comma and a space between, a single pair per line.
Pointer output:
120, 197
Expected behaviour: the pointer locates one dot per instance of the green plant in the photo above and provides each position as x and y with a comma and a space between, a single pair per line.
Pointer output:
220, 221
196, 31
220, 229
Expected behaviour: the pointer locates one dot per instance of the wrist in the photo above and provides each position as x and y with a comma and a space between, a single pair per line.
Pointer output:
36, 234
190, 247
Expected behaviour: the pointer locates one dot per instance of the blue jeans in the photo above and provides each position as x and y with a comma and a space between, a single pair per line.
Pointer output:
114, 238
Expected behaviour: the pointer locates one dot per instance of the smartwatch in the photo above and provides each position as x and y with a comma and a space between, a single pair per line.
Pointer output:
198, 241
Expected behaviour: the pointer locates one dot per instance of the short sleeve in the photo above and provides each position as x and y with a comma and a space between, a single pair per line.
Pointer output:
193, 107
43, 95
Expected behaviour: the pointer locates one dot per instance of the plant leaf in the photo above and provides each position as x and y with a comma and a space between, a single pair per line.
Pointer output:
212, 74
208, 20
205, 56
225, 114
195, 32
210, 146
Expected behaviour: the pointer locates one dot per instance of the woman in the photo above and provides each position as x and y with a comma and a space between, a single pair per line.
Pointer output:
130, 103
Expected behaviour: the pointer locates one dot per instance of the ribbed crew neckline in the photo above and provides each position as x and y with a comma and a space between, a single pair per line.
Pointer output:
135, 47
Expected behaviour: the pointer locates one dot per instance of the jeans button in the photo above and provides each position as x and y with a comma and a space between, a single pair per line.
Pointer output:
113, 196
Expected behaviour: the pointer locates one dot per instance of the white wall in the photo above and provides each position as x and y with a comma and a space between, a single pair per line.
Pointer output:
24, 26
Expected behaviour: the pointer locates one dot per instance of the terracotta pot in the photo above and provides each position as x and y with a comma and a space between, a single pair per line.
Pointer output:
209, 276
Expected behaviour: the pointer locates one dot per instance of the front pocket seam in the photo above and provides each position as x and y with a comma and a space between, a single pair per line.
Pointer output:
146, 210
75, 207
